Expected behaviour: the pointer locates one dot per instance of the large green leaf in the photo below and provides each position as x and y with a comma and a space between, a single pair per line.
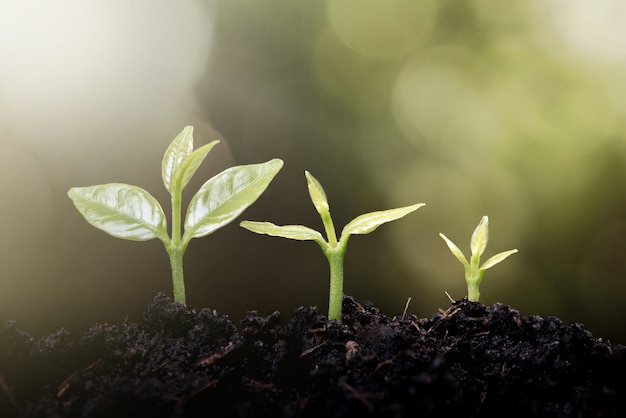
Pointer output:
121, 210
297, 232
224, 197
368, 222
180, 148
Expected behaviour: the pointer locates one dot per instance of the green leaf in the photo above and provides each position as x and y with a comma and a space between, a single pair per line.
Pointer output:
368, 222
180, 148
456, 251
121, 210
496, 259
480, 236
224, 197
186, 169
297, 232
318, 196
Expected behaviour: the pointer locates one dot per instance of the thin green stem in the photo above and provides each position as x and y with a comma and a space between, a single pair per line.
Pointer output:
473, 279
176, 250
472, 292
176, 261
335, 259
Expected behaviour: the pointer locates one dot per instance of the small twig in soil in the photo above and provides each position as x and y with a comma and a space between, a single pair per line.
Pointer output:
360, 306
444, 315
318, 330
449, 297
405, 309
417, 327
381, 364
210, 384
207, 361
253, 383
310, 350
65, 385
6, 390
357, 395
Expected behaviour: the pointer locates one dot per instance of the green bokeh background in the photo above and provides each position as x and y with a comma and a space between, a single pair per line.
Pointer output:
516, 110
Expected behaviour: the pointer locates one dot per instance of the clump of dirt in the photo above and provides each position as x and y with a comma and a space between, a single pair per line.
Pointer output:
469, 360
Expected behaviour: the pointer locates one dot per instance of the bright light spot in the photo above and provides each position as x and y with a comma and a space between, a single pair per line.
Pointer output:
382, 29
429, 93
73, 70
26, 191
359, 83
596, 29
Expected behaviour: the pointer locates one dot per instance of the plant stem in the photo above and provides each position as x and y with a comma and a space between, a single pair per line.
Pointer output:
474, 279
334, 251
176, 250
472, 292
176, 261
335, 298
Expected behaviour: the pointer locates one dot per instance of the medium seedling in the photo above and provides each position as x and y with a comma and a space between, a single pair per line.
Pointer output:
333, 249
473, 270
131, 213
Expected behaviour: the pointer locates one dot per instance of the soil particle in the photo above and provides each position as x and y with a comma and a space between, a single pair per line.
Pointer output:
469, 360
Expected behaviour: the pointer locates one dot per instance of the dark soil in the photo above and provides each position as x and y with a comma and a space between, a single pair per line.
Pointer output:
468, 361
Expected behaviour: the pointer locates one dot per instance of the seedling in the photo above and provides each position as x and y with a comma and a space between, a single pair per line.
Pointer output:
130, 212
473, 270
333, 249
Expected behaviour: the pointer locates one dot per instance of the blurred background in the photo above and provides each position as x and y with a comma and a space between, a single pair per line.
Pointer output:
516, 110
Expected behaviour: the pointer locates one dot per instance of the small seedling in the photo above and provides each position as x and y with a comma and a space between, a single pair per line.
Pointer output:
473, 270
333, 249
130, 212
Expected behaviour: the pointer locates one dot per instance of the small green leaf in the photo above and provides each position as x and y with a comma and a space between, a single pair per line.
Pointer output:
496, 259
186, 169
456, 251
296, 232
224, 197
480, 236
121, 210
318, 196
366, 223
180, 148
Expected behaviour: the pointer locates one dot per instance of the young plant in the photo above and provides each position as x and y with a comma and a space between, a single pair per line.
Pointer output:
473, 270
333, 249
130, 212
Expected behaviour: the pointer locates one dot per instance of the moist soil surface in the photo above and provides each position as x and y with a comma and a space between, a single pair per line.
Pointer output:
470, 360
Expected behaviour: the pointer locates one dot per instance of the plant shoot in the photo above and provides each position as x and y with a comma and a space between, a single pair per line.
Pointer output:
131, 213
473, 270
334, 249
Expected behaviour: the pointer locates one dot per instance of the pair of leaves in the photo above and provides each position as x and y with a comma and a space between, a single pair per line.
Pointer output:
180, 161
130, 212
478, 243
363, 224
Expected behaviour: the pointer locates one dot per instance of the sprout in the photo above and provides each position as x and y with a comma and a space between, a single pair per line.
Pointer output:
131, 213
333, 249
473, 270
